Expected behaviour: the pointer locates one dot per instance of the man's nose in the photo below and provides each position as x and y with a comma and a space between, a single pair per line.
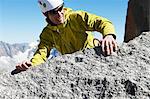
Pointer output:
59, 13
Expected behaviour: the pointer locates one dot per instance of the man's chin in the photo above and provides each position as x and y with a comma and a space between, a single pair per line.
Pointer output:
60, 22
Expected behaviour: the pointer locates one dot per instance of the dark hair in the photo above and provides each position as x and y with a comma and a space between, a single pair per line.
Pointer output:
46, 14
47, 19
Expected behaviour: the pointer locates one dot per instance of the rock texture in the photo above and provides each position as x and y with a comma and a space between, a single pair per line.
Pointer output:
138, 18
86, 75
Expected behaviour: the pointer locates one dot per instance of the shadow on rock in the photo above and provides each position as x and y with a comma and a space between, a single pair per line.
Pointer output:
98, 51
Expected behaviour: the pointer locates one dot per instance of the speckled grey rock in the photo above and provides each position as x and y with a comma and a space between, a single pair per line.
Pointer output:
86, 75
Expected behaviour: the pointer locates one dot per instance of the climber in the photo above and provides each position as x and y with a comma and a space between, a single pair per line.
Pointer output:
69, 31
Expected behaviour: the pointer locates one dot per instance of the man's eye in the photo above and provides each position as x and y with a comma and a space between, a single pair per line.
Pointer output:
55, 12
60, 9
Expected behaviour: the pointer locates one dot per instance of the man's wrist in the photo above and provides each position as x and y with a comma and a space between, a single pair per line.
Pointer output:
113, 35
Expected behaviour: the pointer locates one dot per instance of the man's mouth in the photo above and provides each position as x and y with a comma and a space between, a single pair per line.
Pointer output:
59, 19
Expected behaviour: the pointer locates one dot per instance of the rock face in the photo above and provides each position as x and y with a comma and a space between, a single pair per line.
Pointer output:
86, 75
138, 18
12, 49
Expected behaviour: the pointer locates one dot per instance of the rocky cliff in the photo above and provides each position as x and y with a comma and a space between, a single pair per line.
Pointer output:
86, 75
138, 18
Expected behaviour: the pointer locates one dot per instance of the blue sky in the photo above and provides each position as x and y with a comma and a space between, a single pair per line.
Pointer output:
21, 20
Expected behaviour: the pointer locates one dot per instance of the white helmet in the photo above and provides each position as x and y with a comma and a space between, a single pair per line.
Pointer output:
47, 5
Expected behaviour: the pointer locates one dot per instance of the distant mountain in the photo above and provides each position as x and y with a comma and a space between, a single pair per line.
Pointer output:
10, 50
11, 54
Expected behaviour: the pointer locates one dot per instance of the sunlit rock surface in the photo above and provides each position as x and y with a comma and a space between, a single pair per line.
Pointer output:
86, 75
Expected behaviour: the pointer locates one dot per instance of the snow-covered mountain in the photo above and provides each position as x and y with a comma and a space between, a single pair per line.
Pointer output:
11, 54
10, 50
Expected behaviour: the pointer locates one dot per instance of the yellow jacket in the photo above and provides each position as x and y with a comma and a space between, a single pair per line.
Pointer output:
72, 35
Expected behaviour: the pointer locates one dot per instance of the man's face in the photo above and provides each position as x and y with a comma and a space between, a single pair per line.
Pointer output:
57, 15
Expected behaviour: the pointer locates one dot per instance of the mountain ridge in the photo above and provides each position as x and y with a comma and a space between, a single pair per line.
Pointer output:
10, 50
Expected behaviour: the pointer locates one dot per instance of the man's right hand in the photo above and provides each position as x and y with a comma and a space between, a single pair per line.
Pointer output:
23, 66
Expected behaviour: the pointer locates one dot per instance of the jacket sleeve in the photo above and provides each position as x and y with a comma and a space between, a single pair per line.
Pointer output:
91, 22
43, 51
